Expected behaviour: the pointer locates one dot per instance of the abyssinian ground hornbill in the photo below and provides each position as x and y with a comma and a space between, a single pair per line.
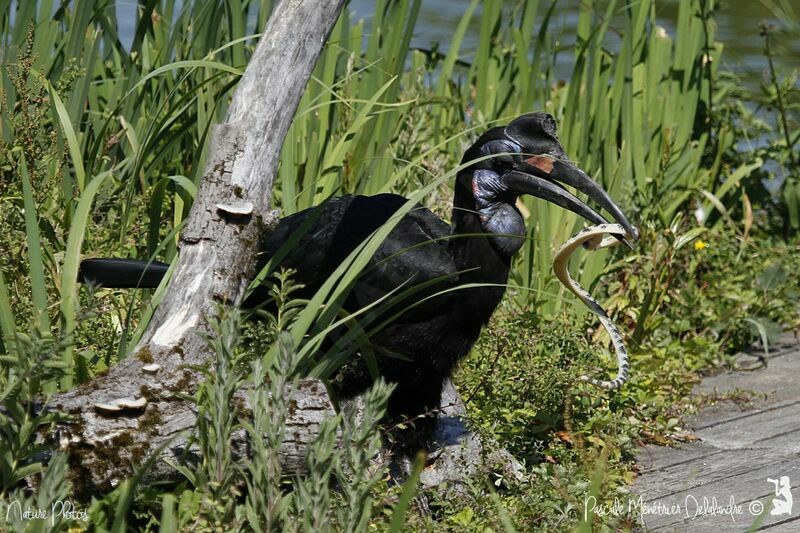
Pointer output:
422, 250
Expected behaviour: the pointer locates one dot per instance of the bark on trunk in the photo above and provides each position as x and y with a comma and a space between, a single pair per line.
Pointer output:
105, 449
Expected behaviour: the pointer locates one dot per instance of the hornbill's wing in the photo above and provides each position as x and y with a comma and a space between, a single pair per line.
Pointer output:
414, 259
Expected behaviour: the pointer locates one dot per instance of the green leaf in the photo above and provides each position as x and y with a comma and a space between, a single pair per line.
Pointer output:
76, 157
409, 488
773, 277
38, 287
767, 330
7, 326
168, 522
688, 237
69, 272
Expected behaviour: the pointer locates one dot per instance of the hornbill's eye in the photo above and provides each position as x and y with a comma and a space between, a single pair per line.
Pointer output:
505, 155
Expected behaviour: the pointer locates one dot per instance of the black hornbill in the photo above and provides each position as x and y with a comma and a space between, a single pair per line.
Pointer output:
422, 250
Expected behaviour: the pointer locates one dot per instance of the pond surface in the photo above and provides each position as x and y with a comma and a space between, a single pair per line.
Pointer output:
737, 27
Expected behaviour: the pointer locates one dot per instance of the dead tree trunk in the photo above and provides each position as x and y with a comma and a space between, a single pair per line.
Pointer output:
119, 417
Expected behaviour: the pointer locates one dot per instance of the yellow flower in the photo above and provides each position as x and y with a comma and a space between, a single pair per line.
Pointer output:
700, 245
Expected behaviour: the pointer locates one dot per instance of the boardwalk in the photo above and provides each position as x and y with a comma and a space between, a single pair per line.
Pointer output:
740, 448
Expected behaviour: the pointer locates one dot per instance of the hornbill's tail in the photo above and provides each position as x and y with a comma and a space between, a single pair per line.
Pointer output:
122, 273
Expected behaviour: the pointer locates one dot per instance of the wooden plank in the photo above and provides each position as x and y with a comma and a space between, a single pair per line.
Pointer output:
738, 451
653, 457
754, 430
746, 485
703, 472
788, 525
759, 411
779, 379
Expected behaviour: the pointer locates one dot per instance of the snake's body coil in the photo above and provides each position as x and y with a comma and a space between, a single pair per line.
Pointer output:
594, 238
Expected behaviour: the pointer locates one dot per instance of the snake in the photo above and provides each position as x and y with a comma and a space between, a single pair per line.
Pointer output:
595, 238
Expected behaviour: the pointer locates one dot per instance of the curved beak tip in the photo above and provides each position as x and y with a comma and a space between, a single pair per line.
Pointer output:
632, 235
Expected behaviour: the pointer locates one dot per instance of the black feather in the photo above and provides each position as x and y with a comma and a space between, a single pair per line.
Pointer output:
122, 273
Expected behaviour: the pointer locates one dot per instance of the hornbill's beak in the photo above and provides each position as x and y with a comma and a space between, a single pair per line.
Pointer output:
542, 176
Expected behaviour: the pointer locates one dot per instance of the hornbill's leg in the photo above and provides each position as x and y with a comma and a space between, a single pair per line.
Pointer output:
411, 414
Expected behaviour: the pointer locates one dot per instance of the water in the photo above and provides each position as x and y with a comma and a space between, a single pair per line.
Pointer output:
737, 27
